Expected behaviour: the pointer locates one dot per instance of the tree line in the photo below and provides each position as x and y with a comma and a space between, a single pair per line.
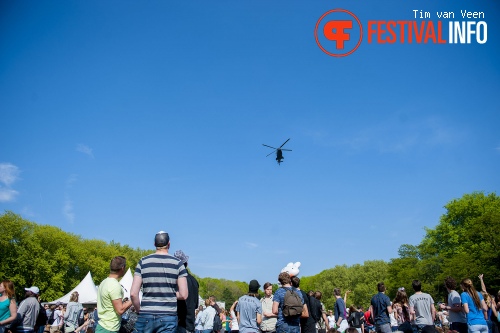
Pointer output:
465, 243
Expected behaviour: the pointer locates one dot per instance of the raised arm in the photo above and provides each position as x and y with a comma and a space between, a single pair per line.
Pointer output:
483, 287
345, 296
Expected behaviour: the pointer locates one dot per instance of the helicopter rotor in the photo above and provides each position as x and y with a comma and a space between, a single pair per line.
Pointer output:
285, 143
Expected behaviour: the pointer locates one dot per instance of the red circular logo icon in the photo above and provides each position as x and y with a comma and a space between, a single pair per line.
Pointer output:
336, 27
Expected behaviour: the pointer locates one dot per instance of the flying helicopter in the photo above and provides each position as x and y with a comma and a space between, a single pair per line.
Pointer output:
279, 152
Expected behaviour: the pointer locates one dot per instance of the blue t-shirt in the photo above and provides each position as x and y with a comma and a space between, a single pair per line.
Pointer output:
475, 315
279, 296
248, 307
380, 302
339, 309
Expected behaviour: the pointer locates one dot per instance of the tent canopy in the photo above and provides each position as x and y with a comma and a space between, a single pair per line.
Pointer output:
86, 289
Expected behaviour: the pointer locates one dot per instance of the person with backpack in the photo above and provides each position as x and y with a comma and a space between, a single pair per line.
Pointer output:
74, 314
207, 317
288, 305
28, 311
355, 319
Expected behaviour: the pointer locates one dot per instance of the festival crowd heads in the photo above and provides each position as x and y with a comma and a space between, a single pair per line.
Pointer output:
164, 298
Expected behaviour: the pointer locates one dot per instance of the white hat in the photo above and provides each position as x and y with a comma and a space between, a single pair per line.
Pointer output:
33, 289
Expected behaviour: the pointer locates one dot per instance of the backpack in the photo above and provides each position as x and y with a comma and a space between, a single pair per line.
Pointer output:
52, 318
315, 310
292, 304
217, 323
80, 318
355, 319
41, 320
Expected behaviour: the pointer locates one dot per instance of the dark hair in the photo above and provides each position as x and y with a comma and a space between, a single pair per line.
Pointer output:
318, 295
381, 287
352, 330
401, 298
267, 285
450, 283
336, 291
117, 263
352, 309
417, 285
295, 281
284, 278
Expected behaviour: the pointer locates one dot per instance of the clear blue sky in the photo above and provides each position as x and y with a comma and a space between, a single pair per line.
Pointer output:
123, 118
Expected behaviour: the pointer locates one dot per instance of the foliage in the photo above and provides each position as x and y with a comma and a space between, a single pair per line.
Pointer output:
463, 244
223, 290
53, 260
361, 280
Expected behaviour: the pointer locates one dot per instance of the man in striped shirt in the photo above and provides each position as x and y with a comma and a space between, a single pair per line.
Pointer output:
163, 281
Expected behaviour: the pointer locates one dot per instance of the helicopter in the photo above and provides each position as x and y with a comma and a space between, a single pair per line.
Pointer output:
279, 152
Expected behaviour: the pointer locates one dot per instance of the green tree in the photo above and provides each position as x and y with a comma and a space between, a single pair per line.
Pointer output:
463, 244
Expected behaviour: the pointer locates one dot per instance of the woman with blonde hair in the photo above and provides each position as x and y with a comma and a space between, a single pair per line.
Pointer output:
475, 307
492, 308
8, 307
207, 317
74, 311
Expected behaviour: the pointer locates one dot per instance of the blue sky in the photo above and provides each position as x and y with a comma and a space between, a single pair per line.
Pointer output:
123, 118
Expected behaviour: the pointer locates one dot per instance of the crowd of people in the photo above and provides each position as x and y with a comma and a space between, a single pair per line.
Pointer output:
164, 299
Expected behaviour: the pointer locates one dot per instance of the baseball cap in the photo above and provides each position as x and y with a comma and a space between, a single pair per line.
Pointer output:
33, 289
161, 239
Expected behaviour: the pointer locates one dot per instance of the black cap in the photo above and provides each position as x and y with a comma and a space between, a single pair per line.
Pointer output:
253, 286
161, 239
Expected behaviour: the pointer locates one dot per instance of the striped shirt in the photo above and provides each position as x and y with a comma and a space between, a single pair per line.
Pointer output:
159, 274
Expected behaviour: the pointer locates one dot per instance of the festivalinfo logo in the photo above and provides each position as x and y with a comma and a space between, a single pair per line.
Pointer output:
339, 32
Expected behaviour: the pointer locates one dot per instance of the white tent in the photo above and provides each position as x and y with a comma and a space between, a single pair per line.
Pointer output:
86, 289
126, 283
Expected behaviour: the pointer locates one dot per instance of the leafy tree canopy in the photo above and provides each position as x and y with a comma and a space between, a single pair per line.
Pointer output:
463, 244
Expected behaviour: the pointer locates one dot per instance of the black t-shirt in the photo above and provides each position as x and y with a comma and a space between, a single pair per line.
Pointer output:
186, 308
307, 325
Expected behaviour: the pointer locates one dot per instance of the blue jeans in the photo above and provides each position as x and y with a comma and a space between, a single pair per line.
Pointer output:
156, 324
285, 328
478, 328
383, 328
